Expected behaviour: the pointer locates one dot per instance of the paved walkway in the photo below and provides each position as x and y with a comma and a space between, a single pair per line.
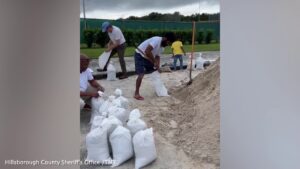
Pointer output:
131, 68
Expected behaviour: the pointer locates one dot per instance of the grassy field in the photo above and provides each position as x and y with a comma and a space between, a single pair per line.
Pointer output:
95, 52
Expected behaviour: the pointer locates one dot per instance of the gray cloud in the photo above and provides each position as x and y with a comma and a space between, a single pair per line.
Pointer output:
123, 5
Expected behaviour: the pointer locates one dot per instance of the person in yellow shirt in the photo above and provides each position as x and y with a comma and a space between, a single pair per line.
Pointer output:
177, 52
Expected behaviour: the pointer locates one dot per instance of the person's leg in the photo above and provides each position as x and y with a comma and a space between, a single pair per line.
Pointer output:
139, 68
113, 52
175, 62
137, 87
121, 52
181, 62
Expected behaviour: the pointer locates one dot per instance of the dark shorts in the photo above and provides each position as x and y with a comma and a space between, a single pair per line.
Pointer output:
142, 65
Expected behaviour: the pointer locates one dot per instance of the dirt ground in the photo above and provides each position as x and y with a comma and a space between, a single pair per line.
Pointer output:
186, 124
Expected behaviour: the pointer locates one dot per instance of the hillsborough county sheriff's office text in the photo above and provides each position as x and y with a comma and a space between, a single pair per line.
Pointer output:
56, 162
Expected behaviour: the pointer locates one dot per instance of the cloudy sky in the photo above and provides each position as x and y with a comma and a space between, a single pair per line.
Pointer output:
114, 9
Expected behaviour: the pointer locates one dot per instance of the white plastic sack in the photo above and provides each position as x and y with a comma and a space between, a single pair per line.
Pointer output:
96, 105
160, 88
110, 124
81, 104
118, 92
119, 113
144, 148
97, 145
117, 102
134, 125
121, 102
108, 103
103, 58
104, 114
121, 144
111, 72
199, 62
97, 121
135, 114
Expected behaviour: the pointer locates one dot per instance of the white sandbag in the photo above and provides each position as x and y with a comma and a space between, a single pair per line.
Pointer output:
199, 62
104, 114
144, 148
117, 102
160, 88
97, 145
121, 144
82, 103
96, 105
108, 103
103, 58
110, 124
111, 72
118, 92
121, 102
97, 121
119, 113
135, 114
134, 125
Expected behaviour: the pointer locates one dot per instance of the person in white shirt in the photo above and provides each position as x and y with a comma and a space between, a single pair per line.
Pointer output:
89, 87
147, 58
116, 44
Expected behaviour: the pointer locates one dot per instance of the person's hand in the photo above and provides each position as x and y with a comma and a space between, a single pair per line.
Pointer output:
100, 88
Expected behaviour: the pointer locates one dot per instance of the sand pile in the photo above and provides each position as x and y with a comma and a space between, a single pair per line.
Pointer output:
192, 120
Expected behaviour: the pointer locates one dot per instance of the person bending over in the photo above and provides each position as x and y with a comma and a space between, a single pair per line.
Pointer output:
147, 58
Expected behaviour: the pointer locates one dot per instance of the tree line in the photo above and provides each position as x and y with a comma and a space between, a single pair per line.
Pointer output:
176, 16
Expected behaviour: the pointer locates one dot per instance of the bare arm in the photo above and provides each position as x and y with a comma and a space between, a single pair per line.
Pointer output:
149, 55
89, 94
112, 45
96, 85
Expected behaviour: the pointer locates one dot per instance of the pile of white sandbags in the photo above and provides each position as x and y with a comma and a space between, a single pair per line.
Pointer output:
117, 135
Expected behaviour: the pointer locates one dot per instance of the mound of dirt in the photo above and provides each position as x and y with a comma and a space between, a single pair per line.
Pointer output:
192, 122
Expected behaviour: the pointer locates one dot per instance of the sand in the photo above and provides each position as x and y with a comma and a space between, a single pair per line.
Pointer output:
186, 124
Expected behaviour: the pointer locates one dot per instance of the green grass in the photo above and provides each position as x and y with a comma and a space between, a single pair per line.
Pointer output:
95, 52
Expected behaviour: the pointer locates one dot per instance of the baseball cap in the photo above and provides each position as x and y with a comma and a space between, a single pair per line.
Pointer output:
105, 25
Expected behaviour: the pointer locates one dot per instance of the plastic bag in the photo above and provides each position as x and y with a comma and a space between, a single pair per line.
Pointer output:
108, 103
96, 105
110, 124
144, 148
134, 125
111, 72
160, 88
121, 144
135, 114
119, 113
118, 92
97, 121
97, 145
121, 102
103, 58
199, 62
